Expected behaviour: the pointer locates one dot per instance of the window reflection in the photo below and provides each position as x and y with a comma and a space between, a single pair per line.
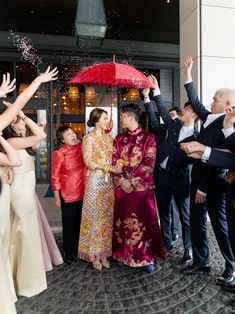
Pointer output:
25, 74
132, 94
69, 98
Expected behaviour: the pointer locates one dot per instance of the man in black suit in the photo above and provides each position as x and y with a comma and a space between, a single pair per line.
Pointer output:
207, 192
173, 173
216, 157
160, 131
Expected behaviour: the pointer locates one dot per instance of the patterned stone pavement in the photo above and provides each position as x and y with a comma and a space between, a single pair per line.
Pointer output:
78, 288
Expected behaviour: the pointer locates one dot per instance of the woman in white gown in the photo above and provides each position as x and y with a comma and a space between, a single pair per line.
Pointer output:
25, 244
9, 158
7, 292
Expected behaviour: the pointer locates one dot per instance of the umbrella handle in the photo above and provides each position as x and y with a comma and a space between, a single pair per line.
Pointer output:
111, 120
110, 128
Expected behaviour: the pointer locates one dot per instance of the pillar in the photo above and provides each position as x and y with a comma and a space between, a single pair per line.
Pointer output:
206, 33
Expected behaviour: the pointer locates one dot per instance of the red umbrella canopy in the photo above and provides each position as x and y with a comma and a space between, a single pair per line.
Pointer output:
112, 74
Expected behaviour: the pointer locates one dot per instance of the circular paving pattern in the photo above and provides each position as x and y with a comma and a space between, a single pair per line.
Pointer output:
78, 288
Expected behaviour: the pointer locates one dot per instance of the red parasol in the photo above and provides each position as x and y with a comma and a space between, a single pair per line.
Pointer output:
112, 74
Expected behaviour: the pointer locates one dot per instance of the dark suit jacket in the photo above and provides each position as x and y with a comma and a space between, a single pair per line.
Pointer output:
230, 142
222, 159
177, 160
157, 128
226, 160
203, 175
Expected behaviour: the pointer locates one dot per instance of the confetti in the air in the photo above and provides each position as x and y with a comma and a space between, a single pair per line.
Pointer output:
25, 46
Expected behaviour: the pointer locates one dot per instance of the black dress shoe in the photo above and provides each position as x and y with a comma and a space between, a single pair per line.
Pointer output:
169, 248
187, 257
121, 265
175, 237
230, 289
71, 259
226, 281
68, 261
226, 278
193, 269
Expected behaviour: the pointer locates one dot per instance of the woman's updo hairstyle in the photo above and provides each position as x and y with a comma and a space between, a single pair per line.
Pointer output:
95, 116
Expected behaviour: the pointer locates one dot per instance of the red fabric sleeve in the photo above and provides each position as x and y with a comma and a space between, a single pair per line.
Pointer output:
57, 159
146, 168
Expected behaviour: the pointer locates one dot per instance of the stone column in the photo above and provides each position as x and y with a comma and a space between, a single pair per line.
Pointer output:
207, 34
166, 85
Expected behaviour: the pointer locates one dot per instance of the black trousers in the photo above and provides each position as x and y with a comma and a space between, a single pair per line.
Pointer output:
175, 219
71, 220
168, 184
230, 212
215, 206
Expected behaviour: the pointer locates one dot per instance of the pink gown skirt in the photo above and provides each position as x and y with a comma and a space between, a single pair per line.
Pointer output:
51, 253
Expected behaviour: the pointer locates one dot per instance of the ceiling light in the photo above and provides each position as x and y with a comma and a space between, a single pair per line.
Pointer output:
90, 23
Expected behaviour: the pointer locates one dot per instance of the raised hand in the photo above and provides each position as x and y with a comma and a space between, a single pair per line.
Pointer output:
229, 118
47, 76
24, 97
6, 86
188, 64
154, 81
145, 92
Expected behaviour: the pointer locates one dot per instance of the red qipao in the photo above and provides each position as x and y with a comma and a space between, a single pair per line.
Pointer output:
68, 172
136, 238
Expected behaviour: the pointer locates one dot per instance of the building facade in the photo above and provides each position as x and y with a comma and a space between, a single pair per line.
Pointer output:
65, 104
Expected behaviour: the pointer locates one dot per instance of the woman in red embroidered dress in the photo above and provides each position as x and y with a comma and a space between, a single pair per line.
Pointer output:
67, 180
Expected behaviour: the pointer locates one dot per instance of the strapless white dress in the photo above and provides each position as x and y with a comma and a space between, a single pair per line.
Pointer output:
7, 291
25, 243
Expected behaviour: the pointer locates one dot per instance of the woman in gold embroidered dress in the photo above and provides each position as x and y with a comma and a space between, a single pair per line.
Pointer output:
95, 243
